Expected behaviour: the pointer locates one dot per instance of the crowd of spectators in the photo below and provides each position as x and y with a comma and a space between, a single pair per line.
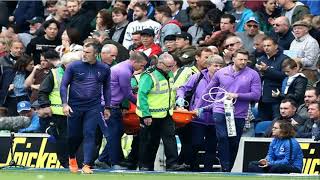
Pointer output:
281, 36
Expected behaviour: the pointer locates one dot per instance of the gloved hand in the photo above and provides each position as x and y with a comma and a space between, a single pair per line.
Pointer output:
180, 102
199, 112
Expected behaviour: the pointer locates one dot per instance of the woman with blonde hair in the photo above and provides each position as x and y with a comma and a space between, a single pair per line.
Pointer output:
203, 127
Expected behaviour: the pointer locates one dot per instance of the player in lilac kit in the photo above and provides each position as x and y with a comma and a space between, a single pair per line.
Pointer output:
121, 89
243, 84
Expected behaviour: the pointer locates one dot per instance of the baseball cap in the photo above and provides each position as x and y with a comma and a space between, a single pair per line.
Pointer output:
170, 37
185, 36
253, 19
36, 20
35, 104
23, 106
149, 32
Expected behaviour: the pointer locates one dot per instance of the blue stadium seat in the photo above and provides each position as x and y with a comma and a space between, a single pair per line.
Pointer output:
261, 128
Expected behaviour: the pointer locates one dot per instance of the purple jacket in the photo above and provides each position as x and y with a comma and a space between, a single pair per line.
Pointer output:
120, 83
246, 83
206, 117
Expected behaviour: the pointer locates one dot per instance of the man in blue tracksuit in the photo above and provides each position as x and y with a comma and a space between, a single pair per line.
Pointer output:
82, 83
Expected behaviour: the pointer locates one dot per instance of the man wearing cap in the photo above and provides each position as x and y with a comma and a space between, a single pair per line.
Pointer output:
24, 109
35, 24
185, 50
306, 49
48, 59
149, 48
168, 26
251, 29
170, 44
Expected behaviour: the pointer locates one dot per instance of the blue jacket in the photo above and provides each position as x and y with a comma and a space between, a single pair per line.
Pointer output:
83, 82
272, 78
206, 116
34, 125
279, 153
283, 40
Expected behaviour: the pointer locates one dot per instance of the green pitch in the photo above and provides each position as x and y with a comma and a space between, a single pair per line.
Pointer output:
64, 175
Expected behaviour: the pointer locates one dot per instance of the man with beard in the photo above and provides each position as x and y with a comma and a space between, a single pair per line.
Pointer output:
251, 28
82, 85
141, 22
288, 108
241, 84
311, 95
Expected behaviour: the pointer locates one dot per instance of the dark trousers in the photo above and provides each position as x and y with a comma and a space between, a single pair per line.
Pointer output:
62, 149
227, 146
268, 111
203, 138
82, 127
150, 139
185, 136
277, 168
102, 130
113, 151
133, 156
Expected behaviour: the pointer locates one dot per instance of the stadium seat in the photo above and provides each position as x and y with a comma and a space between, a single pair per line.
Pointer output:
261, 128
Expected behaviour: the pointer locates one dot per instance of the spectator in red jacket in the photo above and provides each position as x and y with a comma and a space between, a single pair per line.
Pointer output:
149, 47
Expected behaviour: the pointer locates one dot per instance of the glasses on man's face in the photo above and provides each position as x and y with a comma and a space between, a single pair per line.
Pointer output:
168, 65
231, 44
252, 26
276, 25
